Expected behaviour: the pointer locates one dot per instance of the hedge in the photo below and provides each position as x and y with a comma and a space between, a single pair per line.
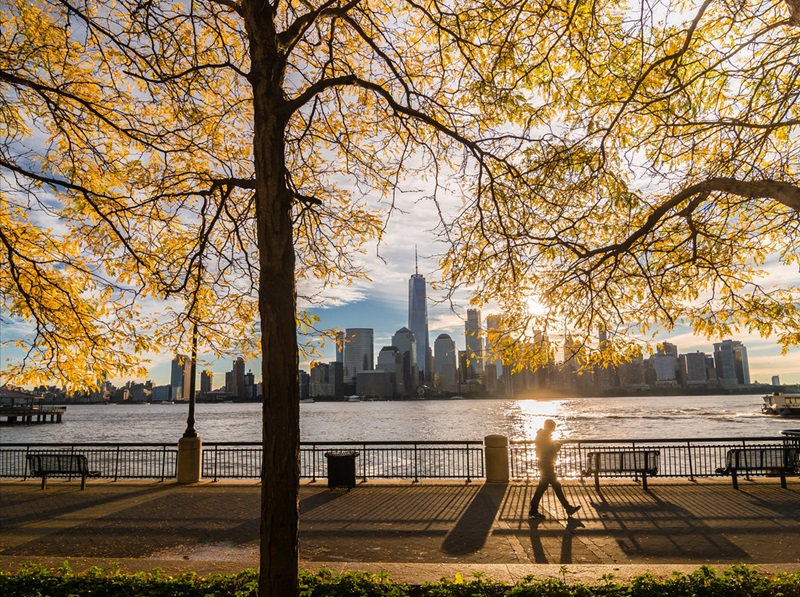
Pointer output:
33, 580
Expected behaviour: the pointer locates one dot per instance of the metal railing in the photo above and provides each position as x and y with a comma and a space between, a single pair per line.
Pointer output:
112, 461
242, 460
688, 458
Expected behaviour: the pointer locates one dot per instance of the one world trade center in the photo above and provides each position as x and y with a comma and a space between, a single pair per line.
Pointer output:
418, 319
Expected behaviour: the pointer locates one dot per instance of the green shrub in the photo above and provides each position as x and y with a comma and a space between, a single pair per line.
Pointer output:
325, 583
33, 580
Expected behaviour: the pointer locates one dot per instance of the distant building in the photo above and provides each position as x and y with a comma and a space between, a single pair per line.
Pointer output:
493, 350
473, 337
340, 338
693, 369
326, 380
633, 374
665, 365
358, 352
391, 361
137, 392
181, 378
375, 383
234, 380
776, 380
406, 344
303, 383
444, 359
418, 320
250, 386
158, 394
206, 381
667, 348
730, 358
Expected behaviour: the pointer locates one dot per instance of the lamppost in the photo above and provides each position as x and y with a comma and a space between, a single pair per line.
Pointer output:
190, 446
190, 430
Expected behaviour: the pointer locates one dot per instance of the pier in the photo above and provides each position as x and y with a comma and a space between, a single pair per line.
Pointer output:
21, 408
10, 415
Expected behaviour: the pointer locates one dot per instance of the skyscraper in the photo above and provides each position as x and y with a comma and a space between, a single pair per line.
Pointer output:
474, 343
495, 364
405, 342
445, 359
730, 358
181, 377
234, 379
359, 352
340, 347
206, 381
418, 319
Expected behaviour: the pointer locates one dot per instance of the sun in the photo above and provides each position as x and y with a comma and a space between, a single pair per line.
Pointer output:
535, 306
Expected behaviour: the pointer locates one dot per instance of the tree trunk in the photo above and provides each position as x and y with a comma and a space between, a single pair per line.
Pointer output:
277, 305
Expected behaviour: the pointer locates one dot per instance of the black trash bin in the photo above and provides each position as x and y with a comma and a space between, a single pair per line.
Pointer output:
341, 469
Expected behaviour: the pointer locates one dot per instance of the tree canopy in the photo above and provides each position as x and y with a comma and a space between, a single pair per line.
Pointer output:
662, 176
622, 163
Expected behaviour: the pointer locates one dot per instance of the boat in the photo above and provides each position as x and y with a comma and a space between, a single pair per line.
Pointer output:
784, 405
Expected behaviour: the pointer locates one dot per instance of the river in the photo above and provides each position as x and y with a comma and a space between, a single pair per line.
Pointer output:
666, 417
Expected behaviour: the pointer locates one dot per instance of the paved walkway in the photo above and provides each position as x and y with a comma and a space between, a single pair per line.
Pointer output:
416, 531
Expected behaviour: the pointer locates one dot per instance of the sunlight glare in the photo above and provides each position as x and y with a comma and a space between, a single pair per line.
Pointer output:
533, 414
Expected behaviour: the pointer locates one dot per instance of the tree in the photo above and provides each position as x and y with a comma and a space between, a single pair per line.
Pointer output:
668, 176
242, 136
264, 140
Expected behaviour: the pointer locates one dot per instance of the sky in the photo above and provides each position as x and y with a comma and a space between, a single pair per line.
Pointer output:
382, 304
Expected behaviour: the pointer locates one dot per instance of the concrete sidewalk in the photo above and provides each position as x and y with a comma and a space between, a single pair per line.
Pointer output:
415, 531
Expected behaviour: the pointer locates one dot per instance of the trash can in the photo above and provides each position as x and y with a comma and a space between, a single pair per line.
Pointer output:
341, 469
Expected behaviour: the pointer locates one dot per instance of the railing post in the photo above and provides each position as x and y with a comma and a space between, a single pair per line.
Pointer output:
216, 461
363, 463
313, 463
163, 462
116, 464
416, 464
469, 471
691, 460
744, 451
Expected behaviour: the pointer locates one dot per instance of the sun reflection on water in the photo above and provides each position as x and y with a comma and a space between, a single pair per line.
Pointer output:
530, 415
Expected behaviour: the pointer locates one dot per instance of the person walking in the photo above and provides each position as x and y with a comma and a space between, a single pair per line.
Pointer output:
547, 453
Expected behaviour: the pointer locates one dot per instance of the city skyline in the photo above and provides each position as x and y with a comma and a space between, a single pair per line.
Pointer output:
382, 305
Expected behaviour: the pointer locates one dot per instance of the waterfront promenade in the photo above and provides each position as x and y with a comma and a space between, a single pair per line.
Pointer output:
415, 531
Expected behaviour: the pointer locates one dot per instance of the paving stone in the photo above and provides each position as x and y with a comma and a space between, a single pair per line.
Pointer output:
420, 531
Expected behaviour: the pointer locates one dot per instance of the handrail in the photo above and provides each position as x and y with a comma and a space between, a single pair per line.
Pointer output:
436, 459
656, 440
242, 459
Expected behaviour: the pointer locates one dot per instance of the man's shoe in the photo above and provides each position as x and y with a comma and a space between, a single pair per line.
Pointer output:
535, 514
572, 509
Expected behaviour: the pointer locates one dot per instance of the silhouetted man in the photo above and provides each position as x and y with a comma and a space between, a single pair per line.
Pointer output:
547, 453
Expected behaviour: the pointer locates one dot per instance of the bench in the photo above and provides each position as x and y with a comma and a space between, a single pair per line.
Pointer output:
772, 460
60, 465
617, 463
